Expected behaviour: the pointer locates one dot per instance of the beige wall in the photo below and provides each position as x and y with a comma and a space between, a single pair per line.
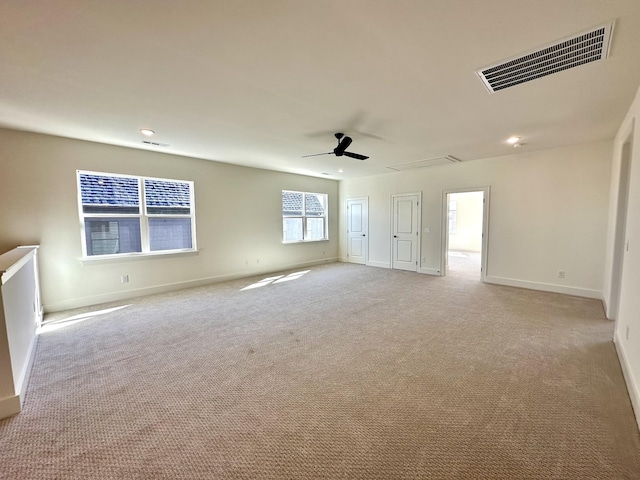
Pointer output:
548, 212
238, 218
627, 318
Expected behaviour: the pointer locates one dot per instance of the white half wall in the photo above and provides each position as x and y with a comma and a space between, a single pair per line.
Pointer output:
548, 212
627, 330
238, 218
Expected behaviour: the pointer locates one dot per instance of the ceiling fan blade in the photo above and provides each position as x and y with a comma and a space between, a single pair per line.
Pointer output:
355, 155
316, 154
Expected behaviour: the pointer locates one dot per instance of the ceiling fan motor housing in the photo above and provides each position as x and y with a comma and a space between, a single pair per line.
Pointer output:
342, 146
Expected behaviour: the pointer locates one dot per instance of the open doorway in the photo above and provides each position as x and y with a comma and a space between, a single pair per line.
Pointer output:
465, 224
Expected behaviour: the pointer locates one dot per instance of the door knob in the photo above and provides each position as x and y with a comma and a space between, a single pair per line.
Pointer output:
363, 235
395, 236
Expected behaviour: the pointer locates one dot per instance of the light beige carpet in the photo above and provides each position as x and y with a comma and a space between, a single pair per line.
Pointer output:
345, 372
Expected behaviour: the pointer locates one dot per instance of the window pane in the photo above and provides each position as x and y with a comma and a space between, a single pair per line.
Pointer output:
105, 194
169, 233
167, 198
314, 204
292, 203
453, 216
108, 236
315, 229
292, 229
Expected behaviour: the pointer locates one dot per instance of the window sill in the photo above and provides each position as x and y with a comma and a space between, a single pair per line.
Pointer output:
295, 242
128, 257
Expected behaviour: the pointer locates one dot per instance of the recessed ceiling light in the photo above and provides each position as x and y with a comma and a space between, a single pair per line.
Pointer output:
341, 171
147, 132
513, 140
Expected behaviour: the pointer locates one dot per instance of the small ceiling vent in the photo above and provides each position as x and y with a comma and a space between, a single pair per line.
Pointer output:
571, 52
155, 144
430, 162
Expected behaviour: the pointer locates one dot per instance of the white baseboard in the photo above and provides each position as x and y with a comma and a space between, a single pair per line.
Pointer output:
545, 287
9, 406
372, 263
429, 271
168, 287
632, 387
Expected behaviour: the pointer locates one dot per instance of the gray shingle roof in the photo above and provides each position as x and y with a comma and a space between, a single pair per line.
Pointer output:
123, 191
160, 193
292, 203
105, 190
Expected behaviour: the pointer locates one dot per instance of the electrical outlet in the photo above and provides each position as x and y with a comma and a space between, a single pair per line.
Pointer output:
561, 273
424, 259
124, 279
257, 260
324, 253
627, 334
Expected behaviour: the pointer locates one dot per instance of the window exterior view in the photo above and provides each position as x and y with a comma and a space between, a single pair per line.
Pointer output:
123, 214
304, 216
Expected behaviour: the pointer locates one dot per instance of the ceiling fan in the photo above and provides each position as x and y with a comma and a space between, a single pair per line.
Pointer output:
340, 150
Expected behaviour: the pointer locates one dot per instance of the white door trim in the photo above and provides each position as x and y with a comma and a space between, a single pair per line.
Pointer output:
485, 228
418, 226
620, 226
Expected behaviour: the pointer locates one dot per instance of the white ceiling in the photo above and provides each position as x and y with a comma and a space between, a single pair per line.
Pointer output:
263, 82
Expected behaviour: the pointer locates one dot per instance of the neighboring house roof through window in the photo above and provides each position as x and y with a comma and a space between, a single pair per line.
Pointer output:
292, 203
103, 190
166, 194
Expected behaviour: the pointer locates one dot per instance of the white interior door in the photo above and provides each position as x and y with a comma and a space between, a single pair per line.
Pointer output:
357, 230
406, 232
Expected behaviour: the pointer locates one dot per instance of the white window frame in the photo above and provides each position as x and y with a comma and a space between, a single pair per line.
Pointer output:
142, 214
304, 217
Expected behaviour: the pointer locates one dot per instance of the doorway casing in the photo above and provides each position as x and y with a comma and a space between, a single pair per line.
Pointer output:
485, 227
620, 239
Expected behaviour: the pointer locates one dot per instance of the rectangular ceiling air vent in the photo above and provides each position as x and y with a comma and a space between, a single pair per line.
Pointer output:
571, 52
430, 162
155, 144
